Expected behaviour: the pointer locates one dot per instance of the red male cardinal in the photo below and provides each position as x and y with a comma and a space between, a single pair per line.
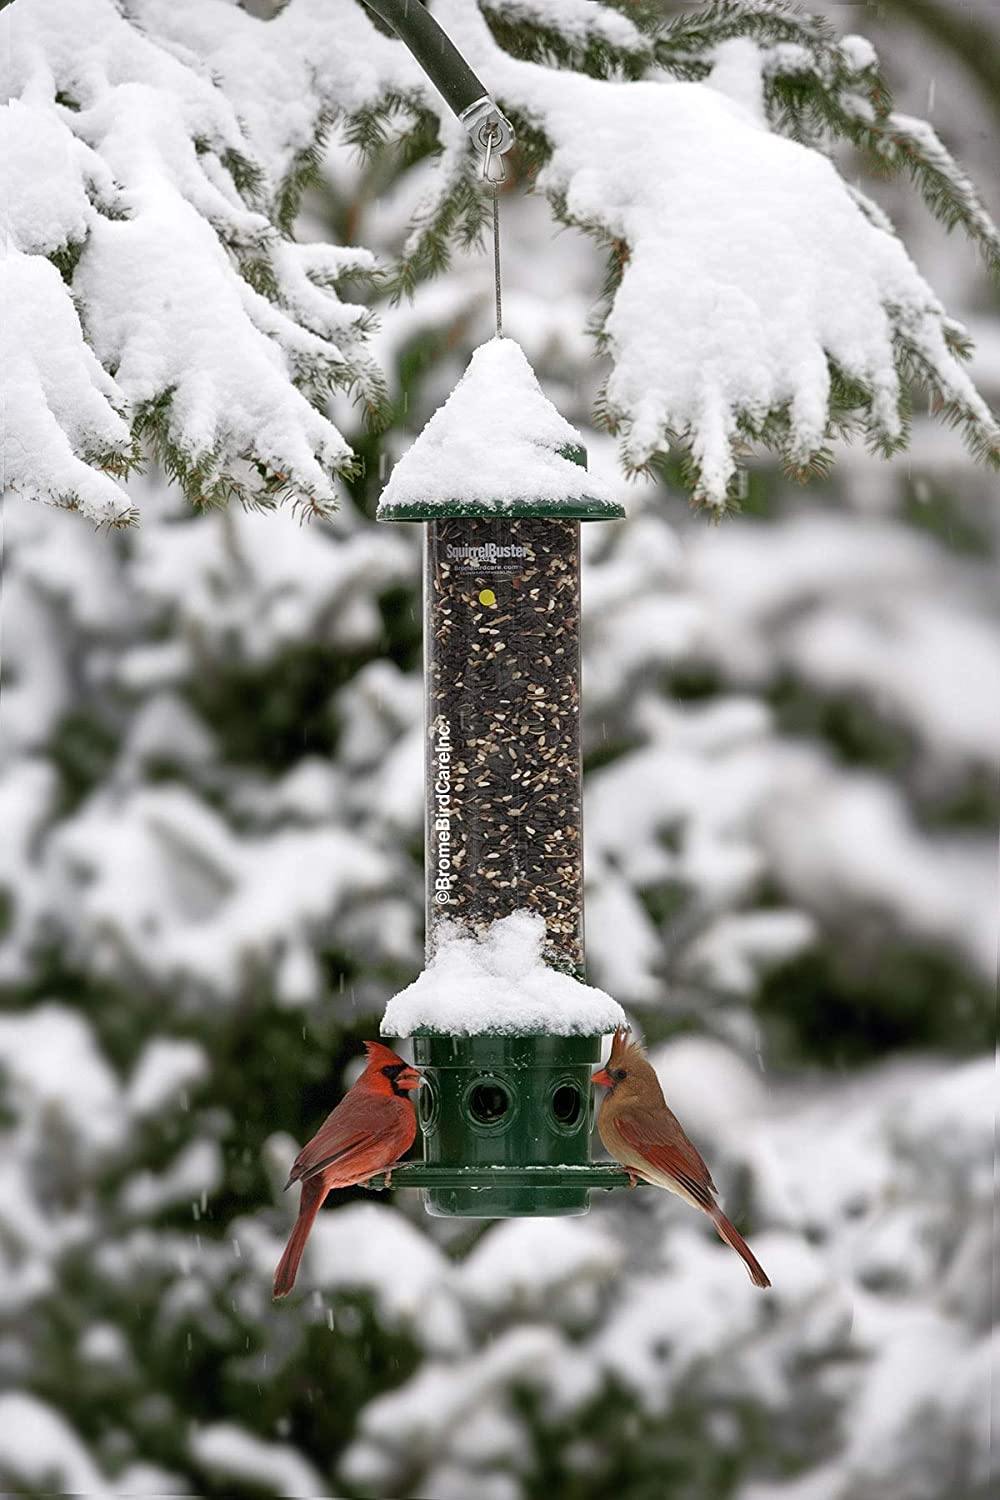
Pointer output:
370, 1129
639, 1130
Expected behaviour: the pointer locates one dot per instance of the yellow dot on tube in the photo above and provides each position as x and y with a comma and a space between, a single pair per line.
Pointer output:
487, 596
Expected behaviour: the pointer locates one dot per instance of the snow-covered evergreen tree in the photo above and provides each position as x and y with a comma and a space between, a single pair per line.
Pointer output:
211, 803
158, 151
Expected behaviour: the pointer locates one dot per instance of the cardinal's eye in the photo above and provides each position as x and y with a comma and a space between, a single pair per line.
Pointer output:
618, 1074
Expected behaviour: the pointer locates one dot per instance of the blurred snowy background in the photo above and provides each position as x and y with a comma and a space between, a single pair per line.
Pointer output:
210, 884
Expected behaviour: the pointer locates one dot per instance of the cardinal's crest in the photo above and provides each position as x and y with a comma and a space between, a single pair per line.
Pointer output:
380, 1056
621, 1044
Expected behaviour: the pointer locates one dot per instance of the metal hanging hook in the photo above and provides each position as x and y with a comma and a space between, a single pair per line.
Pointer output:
489, 128
494, 167
491, 133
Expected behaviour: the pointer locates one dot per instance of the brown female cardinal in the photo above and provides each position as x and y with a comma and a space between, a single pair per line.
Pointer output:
370, 1129
639, 1130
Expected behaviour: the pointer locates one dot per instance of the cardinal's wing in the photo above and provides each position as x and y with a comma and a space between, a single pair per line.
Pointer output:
659, 1138
364, 1134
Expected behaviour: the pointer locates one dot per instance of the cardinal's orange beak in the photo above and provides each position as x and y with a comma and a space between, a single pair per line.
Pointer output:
603, 1079
411, 1079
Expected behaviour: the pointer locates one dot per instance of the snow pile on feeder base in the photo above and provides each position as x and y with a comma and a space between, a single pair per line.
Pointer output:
499, 446
496, 983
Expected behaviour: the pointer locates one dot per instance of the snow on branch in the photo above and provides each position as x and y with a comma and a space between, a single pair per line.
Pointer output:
571, 34
158, 298
66, 437
752, 298
157, 154
823, 89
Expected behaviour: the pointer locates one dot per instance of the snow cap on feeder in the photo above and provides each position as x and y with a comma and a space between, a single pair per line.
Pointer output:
496, 448
496, 983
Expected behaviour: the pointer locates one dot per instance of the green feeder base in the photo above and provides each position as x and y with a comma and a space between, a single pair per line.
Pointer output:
506, 1124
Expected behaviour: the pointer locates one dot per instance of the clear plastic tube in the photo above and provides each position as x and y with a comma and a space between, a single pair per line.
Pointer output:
502, 673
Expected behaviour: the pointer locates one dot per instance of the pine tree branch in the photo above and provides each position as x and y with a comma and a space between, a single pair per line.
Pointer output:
767, 22
903, 142
816, 95
525, 36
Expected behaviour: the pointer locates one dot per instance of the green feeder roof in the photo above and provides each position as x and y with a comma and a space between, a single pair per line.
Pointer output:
497, 448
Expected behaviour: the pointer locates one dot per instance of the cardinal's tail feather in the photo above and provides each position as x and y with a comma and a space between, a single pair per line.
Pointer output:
732, 1237
313, 1194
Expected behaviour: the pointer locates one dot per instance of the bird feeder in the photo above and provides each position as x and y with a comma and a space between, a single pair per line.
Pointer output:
498, 479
